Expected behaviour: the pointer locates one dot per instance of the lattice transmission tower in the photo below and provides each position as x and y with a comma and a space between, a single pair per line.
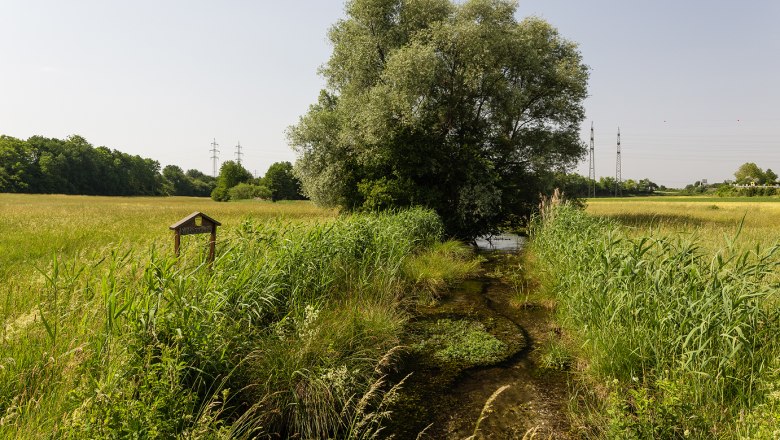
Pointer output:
592, 166
238, 153
214, 156
618, 177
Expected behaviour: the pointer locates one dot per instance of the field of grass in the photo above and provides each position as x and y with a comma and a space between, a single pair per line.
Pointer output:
105, 334
38, 227
671, 308
35, 225
712, 218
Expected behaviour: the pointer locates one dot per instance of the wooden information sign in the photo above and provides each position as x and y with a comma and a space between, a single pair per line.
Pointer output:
196, 223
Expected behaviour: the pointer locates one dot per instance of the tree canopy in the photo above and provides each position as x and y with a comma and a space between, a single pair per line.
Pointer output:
283, 184
74, 166
750, 173
577, 186
457, 107
230, 174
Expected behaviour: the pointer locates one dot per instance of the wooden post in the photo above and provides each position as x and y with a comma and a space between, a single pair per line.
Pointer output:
177, 242
212, 243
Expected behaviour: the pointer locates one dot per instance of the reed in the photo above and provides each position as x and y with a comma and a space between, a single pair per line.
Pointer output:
680, 340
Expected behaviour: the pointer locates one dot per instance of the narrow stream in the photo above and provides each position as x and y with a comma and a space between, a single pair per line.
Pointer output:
446, 402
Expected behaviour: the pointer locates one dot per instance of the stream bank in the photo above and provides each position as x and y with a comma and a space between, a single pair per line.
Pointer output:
453, 374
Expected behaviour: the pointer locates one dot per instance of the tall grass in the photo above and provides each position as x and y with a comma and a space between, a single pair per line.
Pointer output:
287, 334
678, 341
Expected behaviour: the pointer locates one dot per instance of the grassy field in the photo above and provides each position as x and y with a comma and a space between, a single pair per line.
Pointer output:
714, 219
671, 310
38, 227
105, 334
35, 226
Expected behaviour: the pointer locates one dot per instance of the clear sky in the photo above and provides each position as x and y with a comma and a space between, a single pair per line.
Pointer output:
692, 84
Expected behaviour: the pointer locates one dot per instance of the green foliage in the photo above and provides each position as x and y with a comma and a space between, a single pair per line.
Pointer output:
770, 177
746, 191
74, 166
749, 173
461, 341
574, 185
282, 183
230, 174
684, 338
556, 356
153, 405
192, 183
457, 107
244, 191
15, 165
439, 267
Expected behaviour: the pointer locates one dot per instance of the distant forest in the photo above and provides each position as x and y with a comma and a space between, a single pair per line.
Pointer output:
74, 166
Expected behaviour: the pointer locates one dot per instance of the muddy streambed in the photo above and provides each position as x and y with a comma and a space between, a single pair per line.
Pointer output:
479, 338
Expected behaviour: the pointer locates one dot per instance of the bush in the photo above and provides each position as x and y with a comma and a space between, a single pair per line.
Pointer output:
220, 194
749, 191
244, 191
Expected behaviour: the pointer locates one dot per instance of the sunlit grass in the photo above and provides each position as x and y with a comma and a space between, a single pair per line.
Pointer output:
34, 226
38, 227
287, 333
715, 220
675, 305
438, 268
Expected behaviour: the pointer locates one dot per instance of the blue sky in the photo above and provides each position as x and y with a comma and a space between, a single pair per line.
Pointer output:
693, 85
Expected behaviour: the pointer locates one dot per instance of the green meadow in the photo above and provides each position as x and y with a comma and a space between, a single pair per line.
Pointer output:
667, 312
39, 227
289, 333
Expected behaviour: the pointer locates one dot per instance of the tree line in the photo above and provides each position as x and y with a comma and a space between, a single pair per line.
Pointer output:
750, 180
41, 165
74, 166
576, 185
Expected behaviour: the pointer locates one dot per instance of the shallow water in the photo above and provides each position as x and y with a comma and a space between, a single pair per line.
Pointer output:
501, 242
449, 401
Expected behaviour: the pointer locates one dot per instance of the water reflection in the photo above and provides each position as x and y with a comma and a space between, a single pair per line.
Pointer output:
501, 243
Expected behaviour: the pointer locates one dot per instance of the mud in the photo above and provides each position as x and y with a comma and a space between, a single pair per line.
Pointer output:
445, 401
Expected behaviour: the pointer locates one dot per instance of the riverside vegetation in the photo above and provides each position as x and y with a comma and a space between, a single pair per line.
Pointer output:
289, 333
671, 316
666, 322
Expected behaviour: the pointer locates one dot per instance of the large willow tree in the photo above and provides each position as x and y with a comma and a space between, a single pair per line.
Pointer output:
458, 107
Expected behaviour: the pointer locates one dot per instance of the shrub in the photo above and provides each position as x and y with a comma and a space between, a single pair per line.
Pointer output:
244, 191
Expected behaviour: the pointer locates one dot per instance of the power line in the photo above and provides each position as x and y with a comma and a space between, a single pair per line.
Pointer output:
214, 156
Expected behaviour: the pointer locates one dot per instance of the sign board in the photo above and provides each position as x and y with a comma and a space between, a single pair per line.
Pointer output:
196, 223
